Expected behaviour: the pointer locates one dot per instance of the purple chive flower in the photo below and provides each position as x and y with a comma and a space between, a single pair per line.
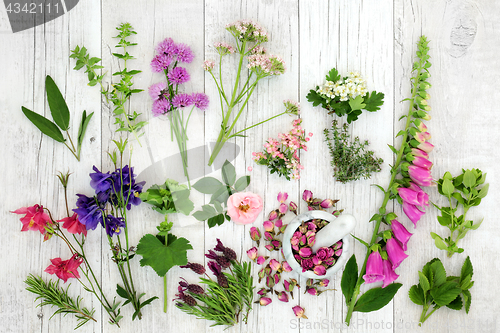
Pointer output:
389, 274
374, 268
161, 107
319, 270
182, 100
160, 63
158, 91
89, 211
307, 195
178, 75
252, 253
275, 265
413, 213
184, 53
282, 296
113, 225
282, 197
400, 233
200, 100
167, 47
395, 252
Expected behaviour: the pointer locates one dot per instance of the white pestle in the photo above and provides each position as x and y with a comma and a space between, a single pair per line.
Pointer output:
334, 231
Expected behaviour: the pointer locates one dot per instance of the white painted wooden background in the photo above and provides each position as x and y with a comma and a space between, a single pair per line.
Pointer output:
375, 37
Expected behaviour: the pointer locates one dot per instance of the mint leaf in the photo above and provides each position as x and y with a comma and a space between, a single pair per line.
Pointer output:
373, 101
456, 304
162, 257
424, 282
438, 272
467, 269
333, 75
467, 299
349, 279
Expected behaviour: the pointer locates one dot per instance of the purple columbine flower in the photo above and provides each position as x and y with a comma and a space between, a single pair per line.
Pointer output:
178, 75
374, 268
395, 252
182, 100
184, 53
100, 182
89, 211
400, 233
200, 100
389, 274
413, 213
113, 225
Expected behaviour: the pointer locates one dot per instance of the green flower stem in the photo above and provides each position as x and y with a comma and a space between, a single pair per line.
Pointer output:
394, 172
254, 125
424, 316
177, 127
242, 107
221, 89
165, 298
72, 152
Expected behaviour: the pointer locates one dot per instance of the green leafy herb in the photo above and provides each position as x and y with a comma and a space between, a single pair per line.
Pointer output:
345, 96
465, 190
171, 197
60, 113
436, 290
350, 160
214, 213
51, 294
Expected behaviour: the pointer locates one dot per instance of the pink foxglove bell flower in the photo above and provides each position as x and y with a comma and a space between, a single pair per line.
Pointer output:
34, 219
282, 197
420, 176
426, 146
282, 296
422, 162
374, 268
413, 213
252, 253
412, 197
400, 233
73, 225
389, 274
65, 269
395, 252
244, 207
418, 152
299, 312
263, 301
416, 188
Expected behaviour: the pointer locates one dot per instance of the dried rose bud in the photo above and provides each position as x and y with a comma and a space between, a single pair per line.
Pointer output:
282, 296
277, 278
299, 312
282, 197
338, 253
324, 283
269, 247
312, 291
283, 228
316, 202
263, 301
309, 282
262, 292
268, 236
273, 215
293, 207
270, 282
283, 208
261, 260
252, 253
255, 234
305, 252
262, 273
278, 223
275, 265
319, 270
327, 203
286, 266
276, 244
311, 240
268, 270
268, 226
307, 195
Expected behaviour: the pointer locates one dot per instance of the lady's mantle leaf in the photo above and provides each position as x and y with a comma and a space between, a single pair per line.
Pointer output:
373, 101
162, 257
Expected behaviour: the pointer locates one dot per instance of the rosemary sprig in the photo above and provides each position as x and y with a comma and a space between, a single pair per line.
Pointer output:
51, 294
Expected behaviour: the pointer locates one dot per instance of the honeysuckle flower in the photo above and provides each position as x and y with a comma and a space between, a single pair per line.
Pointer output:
268, 226
273, 215
282, 197
65, 269
283, 208
420, 176
395, 252
244, 207
413, 213
299, 312
307, 195
413, 197
252, 253
255, 234
282, 296
275, 265
286, 266
374, 268
34, 218
400, 233
293, 207
319, 270
264, 301
261, 260
389, 274
305, 252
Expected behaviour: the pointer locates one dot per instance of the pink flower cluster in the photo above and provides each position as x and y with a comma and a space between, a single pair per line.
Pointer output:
168, 53
265, 65
282, 156
247, 31
224, 48
302, 241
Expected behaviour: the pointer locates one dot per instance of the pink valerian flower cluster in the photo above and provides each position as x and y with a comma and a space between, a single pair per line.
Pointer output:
248, 31
224, 48
265, 65
170, 53
208, 65
282, 155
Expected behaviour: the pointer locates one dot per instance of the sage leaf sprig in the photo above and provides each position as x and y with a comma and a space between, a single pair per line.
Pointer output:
60, 114
214, 212
465, 190
436, 290
51, 294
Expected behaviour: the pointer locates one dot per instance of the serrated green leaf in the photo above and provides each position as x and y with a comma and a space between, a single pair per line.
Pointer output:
456, 304
57, 104
221, 195
467, 300
353, 115
242, 183
315, 98
208, 185
44, 125
357, 103
466, 270
162, 257
445, 293
228, 173
373, 101
376, 298
349, 279
416, 294
469, 179
333, 75
424, 282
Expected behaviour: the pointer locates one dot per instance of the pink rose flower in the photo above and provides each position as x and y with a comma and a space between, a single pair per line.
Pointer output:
244, 207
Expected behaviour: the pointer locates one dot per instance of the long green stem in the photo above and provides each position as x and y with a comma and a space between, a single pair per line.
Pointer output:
165, 300
259, 123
